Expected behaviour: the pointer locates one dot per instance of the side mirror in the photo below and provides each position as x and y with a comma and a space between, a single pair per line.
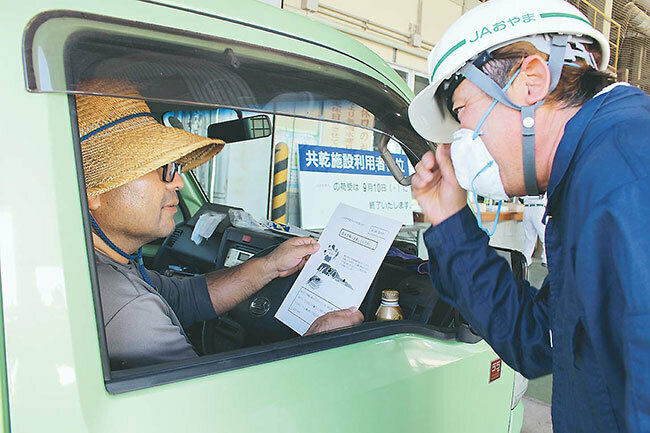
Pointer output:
236, 130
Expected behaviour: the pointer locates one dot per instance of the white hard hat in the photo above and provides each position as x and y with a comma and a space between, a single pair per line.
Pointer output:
486, 27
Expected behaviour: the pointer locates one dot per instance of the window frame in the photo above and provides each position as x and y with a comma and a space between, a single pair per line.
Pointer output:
118, 382
416, 145
121, 381
411, 74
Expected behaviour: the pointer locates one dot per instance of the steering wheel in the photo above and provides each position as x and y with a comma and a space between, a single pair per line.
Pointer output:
257, 313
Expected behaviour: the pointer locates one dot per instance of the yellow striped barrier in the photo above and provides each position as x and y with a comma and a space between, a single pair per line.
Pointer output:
280, 170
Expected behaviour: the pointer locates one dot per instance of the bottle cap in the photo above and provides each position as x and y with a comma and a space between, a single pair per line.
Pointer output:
390, 295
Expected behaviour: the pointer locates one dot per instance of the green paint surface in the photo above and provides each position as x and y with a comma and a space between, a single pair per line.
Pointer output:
52, 365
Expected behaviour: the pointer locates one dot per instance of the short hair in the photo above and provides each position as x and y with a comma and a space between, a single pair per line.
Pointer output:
576, 85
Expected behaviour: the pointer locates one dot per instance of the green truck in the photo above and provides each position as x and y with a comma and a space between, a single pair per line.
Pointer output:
199, 65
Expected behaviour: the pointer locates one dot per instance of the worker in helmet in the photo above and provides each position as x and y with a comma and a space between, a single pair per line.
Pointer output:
520, 90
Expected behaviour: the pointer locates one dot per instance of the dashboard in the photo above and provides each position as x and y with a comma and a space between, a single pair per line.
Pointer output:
252, 322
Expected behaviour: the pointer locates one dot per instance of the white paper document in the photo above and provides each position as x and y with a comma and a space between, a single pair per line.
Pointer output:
352, 247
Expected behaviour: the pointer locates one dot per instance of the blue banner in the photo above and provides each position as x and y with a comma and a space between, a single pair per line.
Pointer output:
340, 160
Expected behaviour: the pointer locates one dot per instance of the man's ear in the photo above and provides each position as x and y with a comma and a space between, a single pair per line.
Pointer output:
535, 79
94, 202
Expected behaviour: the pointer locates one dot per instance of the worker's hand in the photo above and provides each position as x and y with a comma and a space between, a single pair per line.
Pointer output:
335, 320
290, 256
435, 186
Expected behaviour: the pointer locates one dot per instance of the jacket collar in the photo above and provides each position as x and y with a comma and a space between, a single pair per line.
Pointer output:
569, 146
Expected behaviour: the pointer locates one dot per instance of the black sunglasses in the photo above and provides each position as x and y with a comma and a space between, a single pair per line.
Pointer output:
169, 170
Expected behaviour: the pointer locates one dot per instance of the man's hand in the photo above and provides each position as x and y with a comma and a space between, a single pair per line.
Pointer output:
435, 186
335, 320
230, 286
290, 256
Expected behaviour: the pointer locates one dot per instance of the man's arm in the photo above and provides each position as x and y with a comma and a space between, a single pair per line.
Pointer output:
229, 287
512, 316
188, 297
613, 276
469, 275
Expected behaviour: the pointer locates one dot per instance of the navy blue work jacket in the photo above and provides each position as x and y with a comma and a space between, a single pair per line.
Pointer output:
590, 323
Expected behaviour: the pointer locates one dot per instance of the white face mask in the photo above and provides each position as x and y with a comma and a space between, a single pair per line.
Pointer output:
475, 168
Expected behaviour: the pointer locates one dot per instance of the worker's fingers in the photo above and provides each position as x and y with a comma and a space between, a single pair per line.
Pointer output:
425, 179
304, 240
426, 172
302, 246
335, 320
302, 263
355, 315
428, 160
443, 159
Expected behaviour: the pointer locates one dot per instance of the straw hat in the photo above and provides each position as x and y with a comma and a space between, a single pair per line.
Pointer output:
121, 140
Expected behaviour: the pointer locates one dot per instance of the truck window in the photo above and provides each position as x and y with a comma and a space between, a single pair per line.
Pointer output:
342, 113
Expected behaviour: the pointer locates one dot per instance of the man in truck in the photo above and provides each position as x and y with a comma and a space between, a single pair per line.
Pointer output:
520, 90
131, 165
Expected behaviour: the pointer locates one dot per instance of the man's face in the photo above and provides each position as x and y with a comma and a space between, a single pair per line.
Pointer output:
502, 131
139, 211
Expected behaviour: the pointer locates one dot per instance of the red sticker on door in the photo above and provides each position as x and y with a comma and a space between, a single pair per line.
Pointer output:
495, 370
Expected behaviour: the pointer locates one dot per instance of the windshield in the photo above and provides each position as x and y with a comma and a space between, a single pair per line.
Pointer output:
301, 172
199, 70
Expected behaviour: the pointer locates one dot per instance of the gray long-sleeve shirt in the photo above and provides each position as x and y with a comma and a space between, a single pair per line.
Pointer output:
144, 325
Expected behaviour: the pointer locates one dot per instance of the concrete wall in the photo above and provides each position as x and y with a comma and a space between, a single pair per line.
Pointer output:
398, 32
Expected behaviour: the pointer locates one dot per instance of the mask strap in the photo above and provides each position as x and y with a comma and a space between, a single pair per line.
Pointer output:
479, 218
476, 135
477, 131
136, 257
486, 84
489, 86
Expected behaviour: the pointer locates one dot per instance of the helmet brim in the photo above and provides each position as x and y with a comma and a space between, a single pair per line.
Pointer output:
430, 118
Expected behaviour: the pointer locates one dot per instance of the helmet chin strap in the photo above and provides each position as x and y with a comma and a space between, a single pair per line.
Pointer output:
489, 86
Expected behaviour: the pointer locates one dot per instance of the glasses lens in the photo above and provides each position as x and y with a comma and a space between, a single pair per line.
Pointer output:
170, 170
168, 173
